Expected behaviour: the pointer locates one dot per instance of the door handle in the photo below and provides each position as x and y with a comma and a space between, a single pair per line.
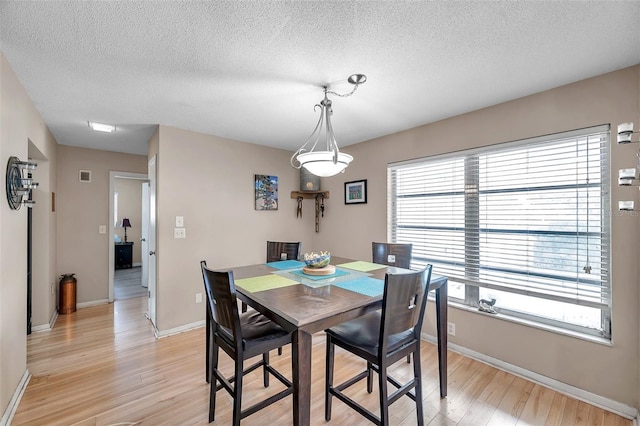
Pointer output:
142, 239
151, 253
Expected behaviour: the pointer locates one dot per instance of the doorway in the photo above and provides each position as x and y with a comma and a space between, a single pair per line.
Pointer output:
125, 254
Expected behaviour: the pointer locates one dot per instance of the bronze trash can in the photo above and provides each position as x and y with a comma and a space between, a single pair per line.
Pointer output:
68, 289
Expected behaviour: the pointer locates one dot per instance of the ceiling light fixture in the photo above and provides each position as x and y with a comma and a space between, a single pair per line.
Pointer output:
330, 161
100, 127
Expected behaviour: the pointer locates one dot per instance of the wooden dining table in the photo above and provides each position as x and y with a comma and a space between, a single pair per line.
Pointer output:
305, 305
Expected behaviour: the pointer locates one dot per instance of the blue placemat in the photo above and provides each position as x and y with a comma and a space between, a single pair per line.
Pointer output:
338, 273
365, 285
285, 264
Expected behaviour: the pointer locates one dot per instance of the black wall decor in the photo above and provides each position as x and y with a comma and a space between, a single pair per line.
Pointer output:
17, 184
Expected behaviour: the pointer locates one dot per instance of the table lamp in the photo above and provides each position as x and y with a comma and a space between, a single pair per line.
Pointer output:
125, 224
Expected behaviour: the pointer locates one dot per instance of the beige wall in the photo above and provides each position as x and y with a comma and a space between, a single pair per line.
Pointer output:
81, 209
130, 206
210, 181
44, 278
613, 98
23, 133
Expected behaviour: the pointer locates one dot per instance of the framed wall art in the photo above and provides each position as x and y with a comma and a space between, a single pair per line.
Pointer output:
266, 188
355, 192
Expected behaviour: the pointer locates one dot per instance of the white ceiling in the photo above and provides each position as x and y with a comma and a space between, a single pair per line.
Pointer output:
253, 70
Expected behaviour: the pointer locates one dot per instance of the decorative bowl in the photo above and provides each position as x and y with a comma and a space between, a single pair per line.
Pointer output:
317, 260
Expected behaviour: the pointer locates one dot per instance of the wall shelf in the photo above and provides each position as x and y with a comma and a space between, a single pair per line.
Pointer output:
309, 194
319, 196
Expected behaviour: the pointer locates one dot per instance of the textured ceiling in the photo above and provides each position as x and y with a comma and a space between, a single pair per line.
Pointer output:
253, 70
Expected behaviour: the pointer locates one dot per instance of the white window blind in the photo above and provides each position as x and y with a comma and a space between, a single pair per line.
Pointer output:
527, 217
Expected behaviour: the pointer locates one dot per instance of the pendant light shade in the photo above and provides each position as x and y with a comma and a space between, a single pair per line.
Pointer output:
321, 163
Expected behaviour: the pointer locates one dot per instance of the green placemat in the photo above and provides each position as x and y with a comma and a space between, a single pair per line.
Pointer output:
362, 266
264, 282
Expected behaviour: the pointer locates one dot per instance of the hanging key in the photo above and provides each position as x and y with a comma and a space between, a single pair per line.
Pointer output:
299, 210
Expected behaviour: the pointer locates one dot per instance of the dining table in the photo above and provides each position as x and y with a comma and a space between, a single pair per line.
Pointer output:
306, 304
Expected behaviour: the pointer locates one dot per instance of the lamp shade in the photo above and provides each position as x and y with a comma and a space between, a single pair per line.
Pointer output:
320, 163
125, 223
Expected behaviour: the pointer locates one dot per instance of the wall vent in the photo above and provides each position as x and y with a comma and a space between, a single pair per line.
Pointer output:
85, 175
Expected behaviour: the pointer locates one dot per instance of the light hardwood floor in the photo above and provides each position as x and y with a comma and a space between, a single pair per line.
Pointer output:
102, 366
127, 283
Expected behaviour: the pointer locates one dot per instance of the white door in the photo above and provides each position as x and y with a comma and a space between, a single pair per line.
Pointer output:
144, 241
152, 239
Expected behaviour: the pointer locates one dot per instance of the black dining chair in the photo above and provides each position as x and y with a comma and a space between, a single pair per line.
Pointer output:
242, 337
392, 254
280, 250
382, 338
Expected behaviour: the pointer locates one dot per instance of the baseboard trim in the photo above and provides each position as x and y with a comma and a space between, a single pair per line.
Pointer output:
92, 303
15, 399
53, 319
39, 328
181, 329
572, 391
46, 327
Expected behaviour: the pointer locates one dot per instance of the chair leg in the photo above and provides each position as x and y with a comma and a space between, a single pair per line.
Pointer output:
369, 378
409, 359
210, 357
213, 382
384, 399
265, 372
417, 376
207, 370
328, 378
237, 393
244, 307
280, 350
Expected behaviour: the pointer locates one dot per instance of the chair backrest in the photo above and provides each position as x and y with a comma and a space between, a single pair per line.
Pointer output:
403, 303
221, 297
275, 249
392, 254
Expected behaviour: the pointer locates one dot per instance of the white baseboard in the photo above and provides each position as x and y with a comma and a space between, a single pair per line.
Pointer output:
572, 391
15, 399
92, 303
39, 328
181, 329
136, 264
46, 327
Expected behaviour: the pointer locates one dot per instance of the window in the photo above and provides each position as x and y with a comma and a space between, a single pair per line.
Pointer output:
525, 223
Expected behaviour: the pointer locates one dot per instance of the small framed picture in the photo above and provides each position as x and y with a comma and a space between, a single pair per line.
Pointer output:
355, 192
266, 188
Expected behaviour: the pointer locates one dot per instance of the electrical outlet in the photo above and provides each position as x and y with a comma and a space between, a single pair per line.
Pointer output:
179, 221
102, 229
451, 328
198, 297
179, 233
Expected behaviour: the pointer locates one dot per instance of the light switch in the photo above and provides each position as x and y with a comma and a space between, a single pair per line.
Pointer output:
102, 229
179, 221
179, 233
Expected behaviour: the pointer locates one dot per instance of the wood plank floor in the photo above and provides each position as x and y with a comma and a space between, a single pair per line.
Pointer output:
102, 366
127, 283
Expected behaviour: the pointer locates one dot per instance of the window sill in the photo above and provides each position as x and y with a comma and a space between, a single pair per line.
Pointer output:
546, 327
